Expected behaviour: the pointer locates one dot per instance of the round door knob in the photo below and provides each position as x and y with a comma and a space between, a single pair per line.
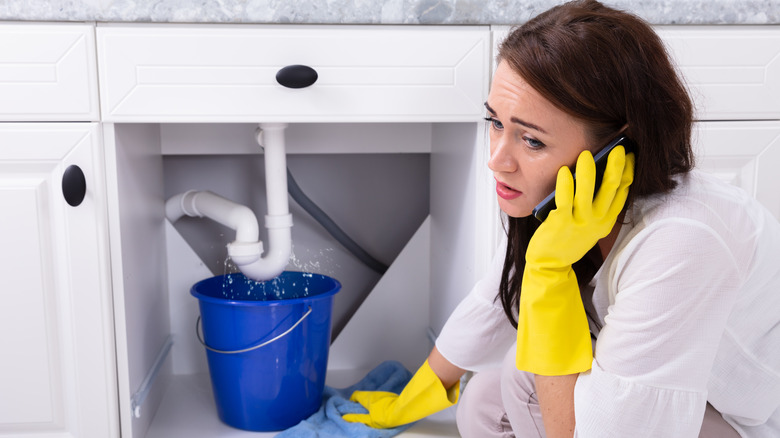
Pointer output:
296, 76
74, 185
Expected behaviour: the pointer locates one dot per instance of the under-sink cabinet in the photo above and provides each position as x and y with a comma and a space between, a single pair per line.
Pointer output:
394, 115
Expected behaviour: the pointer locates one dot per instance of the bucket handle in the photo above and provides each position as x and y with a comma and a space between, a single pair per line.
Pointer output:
254, 347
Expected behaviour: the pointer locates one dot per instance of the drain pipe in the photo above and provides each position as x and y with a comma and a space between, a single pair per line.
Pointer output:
210, 205
278, 221
247, 249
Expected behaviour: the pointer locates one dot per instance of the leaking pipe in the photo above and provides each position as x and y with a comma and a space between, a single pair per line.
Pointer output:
278, 221
247, 250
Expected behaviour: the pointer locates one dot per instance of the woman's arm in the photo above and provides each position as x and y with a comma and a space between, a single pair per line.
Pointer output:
448, 373
556, 400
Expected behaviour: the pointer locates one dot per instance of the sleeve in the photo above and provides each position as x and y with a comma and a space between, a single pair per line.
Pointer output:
673, 286
477, 334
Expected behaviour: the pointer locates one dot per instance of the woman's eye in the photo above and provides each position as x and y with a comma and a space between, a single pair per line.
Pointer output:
533, 143
494, 123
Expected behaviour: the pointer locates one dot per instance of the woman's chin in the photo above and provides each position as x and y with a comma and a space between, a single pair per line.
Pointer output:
514, 211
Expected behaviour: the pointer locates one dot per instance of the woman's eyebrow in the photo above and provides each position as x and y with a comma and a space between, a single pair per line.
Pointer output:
518, 121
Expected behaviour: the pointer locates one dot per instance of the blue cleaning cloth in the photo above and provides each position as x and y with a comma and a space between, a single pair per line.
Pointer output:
389, 376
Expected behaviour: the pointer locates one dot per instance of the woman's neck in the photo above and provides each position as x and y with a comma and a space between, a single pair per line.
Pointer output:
606, 244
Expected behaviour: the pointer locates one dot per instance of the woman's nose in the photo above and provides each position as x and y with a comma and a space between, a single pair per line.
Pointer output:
500, 158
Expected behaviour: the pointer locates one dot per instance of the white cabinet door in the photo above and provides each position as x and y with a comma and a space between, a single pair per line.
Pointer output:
48, 72
745, 154
57, 372
201, 73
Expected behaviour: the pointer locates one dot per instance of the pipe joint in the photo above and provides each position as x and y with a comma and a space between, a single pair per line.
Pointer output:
244, 253
278, 221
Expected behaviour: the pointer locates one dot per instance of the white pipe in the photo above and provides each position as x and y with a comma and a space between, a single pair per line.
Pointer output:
279, 220
246, 250
207, 204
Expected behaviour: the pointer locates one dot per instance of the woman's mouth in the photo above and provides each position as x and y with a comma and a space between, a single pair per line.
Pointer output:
506, 192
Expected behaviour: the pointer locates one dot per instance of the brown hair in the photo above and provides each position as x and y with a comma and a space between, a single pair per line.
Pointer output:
608, 69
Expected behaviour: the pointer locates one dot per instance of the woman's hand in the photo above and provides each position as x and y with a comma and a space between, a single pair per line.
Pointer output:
553, 337
434, 387
580, 220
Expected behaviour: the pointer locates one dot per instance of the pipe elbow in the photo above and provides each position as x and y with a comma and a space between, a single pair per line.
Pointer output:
174, 206
245, 223
272, 263
207, 204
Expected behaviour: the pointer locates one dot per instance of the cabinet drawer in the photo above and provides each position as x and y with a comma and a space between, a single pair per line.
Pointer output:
733, 71
47, 72
202, 73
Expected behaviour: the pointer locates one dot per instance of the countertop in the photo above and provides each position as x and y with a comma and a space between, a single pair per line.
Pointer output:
374, 11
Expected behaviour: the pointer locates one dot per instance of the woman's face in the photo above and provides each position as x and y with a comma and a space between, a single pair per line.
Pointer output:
530, 139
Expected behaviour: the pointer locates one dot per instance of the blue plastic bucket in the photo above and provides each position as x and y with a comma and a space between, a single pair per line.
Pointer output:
267, 346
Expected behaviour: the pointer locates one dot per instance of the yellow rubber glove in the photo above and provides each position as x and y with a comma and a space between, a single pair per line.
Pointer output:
553, 337
422, 396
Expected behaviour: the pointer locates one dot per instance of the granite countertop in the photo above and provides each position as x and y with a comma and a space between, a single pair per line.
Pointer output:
375, 11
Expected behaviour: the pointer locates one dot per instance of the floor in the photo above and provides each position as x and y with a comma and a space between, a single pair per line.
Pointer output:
188, 410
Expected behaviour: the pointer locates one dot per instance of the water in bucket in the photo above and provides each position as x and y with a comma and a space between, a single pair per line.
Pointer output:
267, 346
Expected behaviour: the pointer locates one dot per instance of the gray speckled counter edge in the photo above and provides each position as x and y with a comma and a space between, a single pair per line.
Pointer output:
374, 11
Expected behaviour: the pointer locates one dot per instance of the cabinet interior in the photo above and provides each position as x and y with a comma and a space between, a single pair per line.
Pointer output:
383, 183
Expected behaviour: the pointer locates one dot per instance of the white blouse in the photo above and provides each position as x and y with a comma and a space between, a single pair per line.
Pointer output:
689, 303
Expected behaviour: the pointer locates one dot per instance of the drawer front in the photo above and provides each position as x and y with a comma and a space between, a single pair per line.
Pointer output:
733, 71
48, 72
202, 73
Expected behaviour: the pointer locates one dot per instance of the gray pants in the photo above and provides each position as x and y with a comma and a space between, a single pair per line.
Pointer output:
502, 403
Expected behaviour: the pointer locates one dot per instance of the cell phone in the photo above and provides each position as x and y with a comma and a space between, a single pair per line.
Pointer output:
548, 203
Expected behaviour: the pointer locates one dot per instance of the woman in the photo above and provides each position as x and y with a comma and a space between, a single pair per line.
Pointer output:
675, 274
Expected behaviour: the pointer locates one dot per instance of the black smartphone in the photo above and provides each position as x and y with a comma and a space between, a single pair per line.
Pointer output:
548, 204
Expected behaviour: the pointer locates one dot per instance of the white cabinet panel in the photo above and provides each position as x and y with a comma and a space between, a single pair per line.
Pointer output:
48, 72
733, 72
57, 374
745, 154
228, 73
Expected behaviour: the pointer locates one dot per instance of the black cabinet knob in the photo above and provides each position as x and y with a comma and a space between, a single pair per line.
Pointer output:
296, 76
74, 185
